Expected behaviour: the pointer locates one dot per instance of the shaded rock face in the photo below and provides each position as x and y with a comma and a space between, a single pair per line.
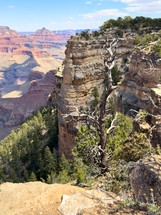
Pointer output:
151, 125
24, 86
141, 80
84, 70
145, 180
14, 110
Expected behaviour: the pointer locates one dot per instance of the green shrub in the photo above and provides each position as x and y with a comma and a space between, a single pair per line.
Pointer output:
136, 147
117, 178
119, 33
96, 33
124, 59
116, 140
137, 40
95, 102
85, 34
116, 75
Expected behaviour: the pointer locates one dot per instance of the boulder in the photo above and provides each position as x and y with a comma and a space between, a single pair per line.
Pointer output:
145, 180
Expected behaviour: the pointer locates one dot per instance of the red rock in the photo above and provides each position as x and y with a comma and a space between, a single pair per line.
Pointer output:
14, 110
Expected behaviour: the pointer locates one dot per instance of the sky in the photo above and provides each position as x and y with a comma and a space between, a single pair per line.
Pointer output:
30, 15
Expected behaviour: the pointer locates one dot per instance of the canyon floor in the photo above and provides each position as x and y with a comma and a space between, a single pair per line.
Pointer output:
37, 198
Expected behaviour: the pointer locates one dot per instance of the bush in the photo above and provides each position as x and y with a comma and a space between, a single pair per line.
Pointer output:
136, 147
95, 102
115, 141
116, 75
124, 59
117, 177
96, 33
85, 34
137, 40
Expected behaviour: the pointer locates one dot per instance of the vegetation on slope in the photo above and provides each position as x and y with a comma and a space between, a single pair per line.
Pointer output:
26, 153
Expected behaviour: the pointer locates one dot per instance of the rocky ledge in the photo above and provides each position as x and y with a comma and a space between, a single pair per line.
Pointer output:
37, 198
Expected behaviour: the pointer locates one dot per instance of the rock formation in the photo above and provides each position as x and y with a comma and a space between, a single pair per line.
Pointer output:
46, 35
58, 199
83, 71
145, 180
141, 81
22, 61
14, 110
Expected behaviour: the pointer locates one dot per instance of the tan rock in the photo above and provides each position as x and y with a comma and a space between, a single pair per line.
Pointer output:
83, 71
35, 198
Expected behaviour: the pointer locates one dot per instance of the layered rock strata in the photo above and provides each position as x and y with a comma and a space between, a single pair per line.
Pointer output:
14, 110
141, 83
84, 70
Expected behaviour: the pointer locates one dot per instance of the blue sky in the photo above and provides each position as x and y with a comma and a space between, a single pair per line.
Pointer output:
30, 15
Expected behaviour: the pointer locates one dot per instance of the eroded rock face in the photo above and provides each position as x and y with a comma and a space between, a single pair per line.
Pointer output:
84, 70
46, 35
141, 81
14, 110
24, 85
145, 180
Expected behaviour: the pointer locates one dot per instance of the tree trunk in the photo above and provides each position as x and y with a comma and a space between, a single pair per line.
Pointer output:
102, 121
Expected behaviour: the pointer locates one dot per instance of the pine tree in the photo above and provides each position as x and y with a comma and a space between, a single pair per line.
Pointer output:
64, 163
50, 163
26, 175
32, 177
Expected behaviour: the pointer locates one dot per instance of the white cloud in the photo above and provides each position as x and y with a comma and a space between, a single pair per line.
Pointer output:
11, 6
143, 6
99, 4
102, 13
88, 2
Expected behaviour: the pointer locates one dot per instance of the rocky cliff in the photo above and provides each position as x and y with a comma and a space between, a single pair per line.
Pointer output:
82, 73
14, 110
84, 70
24, 63
141, 81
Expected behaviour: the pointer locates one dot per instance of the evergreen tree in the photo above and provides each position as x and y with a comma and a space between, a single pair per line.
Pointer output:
63, 164
26, 175
32, 177
50, 163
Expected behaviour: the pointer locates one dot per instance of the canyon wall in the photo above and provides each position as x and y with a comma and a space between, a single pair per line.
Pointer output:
14, 110
141, 83
84, 70
24, 79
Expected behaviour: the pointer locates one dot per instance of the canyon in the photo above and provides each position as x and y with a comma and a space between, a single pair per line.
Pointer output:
27, 65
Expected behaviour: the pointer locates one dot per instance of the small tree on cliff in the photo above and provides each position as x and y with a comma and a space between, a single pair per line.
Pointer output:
97, 119
109, 64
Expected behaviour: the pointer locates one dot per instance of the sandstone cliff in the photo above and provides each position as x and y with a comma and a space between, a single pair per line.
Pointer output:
83, 71
142, 80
